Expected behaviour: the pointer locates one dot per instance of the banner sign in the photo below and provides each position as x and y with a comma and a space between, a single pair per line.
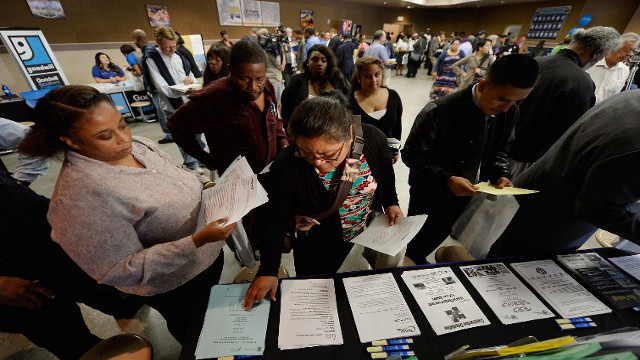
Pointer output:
35, 58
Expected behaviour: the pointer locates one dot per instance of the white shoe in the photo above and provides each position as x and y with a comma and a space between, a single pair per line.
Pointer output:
199, 173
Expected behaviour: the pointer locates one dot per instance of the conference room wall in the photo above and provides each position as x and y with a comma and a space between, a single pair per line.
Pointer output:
615, 13
104, 21
92, 26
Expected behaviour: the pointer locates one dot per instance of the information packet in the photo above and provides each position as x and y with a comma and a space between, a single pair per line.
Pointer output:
617, 288
559, 289
507, 296
445, 302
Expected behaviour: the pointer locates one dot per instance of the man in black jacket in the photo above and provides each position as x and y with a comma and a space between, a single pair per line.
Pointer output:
344, 55
563, 93
589, 179
334, 42
459, 140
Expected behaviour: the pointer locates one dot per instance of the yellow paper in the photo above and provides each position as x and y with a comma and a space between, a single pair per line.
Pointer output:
512, 350
489, 188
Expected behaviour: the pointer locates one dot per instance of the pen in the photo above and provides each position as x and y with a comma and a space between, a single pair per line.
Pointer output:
392, 342
373, 349
384, 355
574, 320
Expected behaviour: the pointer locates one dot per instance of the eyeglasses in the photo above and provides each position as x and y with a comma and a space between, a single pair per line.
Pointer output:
169, 48
329, 158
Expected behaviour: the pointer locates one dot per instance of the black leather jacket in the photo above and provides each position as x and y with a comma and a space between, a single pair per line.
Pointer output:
452, 137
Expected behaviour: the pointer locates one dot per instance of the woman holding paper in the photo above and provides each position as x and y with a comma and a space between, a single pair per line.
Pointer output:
304, 186
122, 209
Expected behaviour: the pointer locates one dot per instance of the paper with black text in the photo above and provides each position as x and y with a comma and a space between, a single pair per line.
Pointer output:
507, 296
184, 88
378, 308
559, 289
445, 302
237, 192
630, 264
230, 330
387, 239
308, 314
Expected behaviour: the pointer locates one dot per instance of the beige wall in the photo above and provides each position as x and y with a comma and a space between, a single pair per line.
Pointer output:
109, 23
615, 13
113, 20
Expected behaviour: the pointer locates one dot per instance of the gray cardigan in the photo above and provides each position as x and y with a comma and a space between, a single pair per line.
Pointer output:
472, 63
128, 227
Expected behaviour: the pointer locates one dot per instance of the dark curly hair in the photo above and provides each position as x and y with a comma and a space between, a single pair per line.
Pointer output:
326, 115
58, 114
332, 63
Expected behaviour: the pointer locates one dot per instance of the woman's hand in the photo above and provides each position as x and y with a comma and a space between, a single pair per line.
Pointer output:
393, 212
213, 232
21, 292
259, 288
478, 71
305, 223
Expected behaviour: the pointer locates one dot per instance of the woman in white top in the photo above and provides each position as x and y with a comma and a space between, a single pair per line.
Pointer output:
401, 48
376, 104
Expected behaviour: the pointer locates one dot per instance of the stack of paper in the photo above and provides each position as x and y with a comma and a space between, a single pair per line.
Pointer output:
236, 193
308, 314
379, 308
185, 88
387, 239
559, 289
445, 302
630, 264
503, 350
230, 330
507, 296
618, 289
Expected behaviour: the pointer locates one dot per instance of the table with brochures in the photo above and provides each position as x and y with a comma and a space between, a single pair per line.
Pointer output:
428, 345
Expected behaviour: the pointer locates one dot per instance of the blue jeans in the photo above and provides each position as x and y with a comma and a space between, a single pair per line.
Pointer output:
189, 160
160, 114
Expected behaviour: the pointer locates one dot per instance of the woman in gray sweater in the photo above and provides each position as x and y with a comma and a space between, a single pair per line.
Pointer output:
122, 209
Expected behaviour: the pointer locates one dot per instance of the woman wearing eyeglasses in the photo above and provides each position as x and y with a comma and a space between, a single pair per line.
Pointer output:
302, 185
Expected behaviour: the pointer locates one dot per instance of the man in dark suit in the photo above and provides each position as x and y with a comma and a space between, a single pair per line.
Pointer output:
565, 92
589, 179
335, 42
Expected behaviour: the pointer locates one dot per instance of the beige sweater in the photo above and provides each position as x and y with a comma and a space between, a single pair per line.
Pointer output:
128, 227
472, 63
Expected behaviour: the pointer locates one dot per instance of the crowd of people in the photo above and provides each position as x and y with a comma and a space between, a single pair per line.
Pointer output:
315, 117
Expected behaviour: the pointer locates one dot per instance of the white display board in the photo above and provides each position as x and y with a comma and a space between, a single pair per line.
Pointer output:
34, 57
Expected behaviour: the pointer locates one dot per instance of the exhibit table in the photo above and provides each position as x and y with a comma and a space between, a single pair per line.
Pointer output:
427, 345
127, 100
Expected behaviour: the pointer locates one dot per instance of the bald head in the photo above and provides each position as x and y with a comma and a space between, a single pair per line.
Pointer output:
139, 37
